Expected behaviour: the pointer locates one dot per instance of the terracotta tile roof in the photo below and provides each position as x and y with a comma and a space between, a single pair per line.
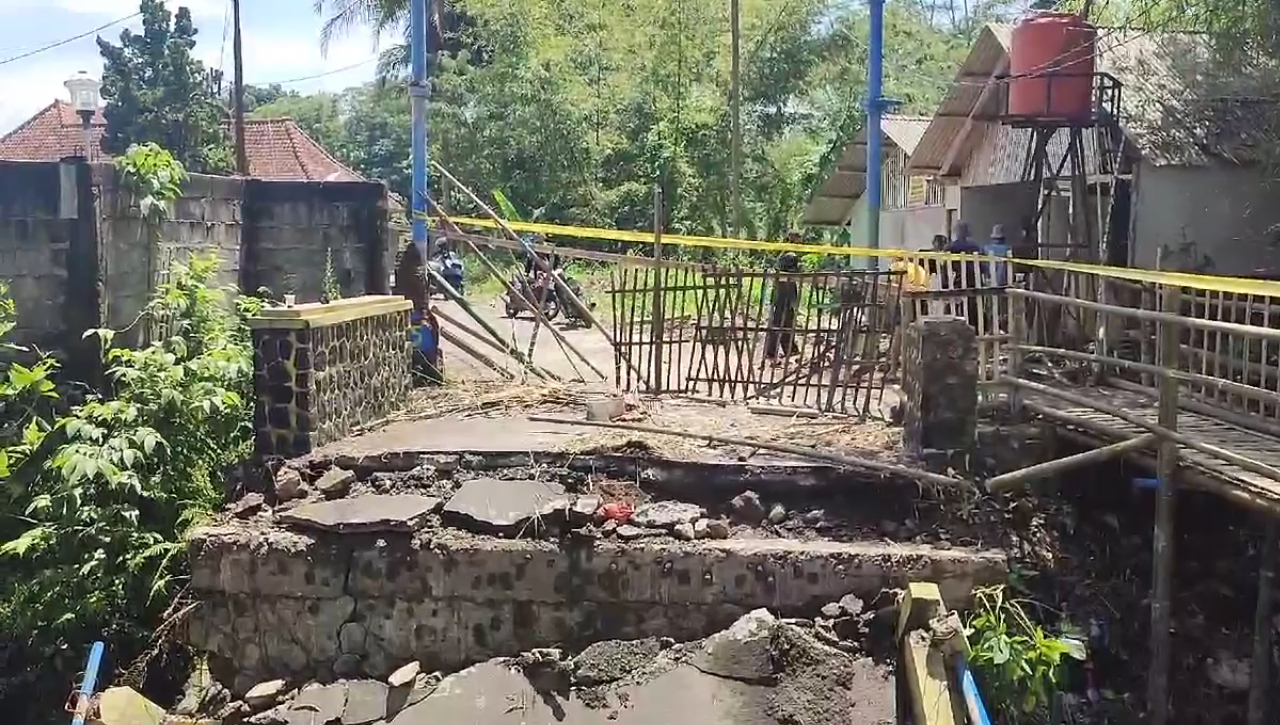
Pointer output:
277, 148
52, 134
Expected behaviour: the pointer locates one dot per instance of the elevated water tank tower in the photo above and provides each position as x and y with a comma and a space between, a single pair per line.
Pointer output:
1052, 61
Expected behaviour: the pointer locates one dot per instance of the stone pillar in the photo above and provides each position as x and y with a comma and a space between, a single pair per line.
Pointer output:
940, 389
321, 370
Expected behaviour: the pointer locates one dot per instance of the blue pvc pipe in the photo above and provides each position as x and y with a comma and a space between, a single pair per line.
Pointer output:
875, 136
90, 679
418, 89
972, 698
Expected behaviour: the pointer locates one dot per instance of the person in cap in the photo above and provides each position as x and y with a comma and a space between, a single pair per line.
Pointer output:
997, 246
780, 340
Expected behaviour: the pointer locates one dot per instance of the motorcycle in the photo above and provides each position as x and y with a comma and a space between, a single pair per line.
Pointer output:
449, 266
539, 288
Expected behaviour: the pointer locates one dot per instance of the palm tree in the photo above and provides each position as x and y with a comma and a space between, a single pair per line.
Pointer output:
444, 21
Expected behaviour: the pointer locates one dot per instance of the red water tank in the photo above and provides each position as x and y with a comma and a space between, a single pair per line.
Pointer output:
1051, 66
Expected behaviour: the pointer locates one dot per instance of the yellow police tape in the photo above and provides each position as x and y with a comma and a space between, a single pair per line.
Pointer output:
1213, 283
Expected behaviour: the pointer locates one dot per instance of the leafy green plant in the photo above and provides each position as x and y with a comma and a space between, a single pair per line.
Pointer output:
1017, 662
94, 502
329, 283
154, 176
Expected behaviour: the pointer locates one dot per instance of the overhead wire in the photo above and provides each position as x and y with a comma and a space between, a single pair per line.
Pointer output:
66, 41
315, 76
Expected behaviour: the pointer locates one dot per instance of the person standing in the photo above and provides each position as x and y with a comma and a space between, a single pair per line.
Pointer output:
780, 339
964, 272
998, 247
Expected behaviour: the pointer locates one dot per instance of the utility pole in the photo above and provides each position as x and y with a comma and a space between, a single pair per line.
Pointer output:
875, 137
242, 158
735, 113
418, 90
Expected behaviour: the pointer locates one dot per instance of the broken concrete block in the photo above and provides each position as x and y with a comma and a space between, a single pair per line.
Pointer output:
335, 483
666, 514
363, 514
248, 505
717, 529
748, 508
684, 532
742, 652
264, 694
405, 675
777, 514
627, 532
612, 660
584, 509
124, 706
487, 505
288, 484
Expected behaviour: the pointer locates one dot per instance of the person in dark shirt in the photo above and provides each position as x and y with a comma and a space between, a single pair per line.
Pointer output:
781, 337
964, 274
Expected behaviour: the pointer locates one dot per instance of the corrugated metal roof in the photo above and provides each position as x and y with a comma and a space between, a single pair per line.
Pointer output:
1169, 110
832, 202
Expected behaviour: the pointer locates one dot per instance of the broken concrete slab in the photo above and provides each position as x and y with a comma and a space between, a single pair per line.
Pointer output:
366, 702
584, 508
363, 514
335, 483
612, 660
667, 514
748, 508
289, 484
488, 505
327, 702
248, 505
405, 675
627, 532
742, 652
264, 694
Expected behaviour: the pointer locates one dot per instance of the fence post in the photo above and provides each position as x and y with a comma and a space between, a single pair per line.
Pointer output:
1162, 545
655, 331
1017, 337
1260, 680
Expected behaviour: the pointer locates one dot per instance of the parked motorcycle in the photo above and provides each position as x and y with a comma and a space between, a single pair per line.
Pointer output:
449, 266
533, 289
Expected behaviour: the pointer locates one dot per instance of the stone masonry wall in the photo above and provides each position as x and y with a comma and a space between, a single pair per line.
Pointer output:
940, 387
283, 604
323, 370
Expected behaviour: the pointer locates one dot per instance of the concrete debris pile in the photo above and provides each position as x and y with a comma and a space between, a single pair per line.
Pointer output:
761, 670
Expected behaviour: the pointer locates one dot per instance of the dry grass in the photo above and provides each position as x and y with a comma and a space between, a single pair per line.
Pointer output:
489, 398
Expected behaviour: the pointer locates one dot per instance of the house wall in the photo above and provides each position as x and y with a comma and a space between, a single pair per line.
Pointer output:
1220, 211
899, 228
985, 206
76, 254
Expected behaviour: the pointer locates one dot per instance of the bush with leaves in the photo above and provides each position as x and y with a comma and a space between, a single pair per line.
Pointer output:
94, 503
1018, 664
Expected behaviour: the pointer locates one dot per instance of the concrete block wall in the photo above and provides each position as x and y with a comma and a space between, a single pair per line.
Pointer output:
76, 254
34, 240
281, 604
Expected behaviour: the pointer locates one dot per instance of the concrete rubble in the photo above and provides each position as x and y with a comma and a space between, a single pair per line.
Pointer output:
363, 514
759, 671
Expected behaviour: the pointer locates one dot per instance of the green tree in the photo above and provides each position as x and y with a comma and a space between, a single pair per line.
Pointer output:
317, 114
157, 92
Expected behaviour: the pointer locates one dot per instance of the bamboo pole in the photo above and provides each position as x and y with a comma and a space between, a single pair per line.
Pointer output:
1231, 386
515, 354
1228, 328
484, 340
1008, 481
561, 285
1247, 464
655, 331
840, 460
475, 354
1251, 423
1260, 680
1166, 508
512, 289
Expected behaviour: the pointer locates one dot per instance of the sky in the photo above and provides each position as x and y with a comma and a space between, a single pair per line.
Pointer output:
281, 43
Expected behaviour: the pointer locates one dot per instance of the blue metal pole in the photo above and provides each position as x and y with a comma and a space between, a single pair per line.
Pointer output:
418, 89
88, 684
875, 137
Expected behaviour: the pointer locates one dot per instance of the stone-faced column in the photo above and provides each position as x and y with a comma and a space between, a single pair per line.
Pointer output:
940, 389
322, 370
